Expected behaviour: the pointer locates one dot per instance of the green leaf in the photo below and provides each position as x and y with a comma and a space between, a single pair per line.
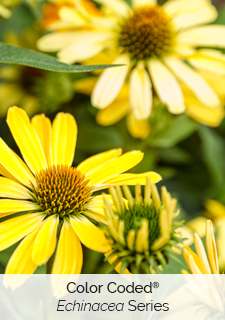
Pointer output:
16, 55
213, 147
93, 138
178, 129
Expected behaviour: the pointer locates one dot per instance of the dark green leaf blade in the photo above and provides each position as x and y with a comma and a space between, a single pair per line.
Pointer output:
16, 55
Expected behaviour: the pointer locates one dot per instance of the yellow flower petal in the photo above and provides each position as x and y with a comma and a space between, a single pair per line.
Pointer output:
140, 92
113, 113
45, 242
202, 254
190, 13
96, 205
69, 255
220, 240
211, 117
12, 189
194, 263
119, 264
83, 46
93, 163
110, 83
42, 126
139, 129
210, 60
53, 42
20, 261
90, 235
166, 86
8, 207
115, 167
120, 7
215, 208
26, 139
194, 81
12, 165
211, 248
64, 138
86, 85
15, 229
131, 179
140, 3
212, 35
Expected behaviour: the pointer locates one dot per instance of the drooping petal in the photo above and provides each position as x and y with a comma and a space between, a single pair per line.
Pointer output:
209, 60
139, 129
12, 189
130, 179
45, 242
90, 235
208, 116
206, 36
211, 248
12, 165
110, 83
26, 139
113, 113
56, 41
188, 13
93, 163
115, 167
119, 7
166, 86
85, 45
8, 207
69, 255
64, 138
140, 92
194, 81
15, 229
20, 261
141, 3
42, 126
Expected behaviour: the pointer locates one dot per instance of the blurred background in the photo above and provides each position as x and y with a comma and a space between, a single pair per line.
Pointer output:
188, 155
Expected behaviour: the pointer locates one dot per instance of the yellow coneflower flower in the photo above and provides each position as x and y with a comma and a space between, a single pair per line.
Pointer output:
199, 263
158, 46
56, 198
142, 230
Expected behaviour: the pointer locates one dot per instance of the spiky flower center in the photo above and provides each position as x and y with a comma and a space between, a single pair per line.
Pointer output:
133, 220
149, 32
62, 190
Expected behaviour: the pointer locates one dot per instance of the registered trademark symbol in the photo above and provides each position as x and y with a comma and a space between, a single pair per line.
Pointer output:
155, 285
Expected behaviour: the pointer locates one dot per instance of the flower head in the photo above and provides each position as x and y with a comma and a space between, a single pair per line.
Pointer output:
142, 230
57, 200
159, 47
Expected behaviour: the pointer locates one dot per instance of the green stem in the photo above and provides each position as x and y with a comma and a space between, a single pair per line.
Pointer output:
50, 264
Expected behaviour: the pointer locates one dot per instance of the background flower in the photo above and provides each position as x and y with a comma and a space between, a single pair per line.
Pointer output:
158, 46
